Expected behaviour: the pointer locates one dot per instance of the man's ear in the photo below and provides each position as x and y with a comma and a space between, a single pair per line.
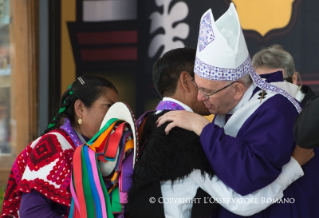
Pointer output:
78, 108
184, 80
239, 90
295, 78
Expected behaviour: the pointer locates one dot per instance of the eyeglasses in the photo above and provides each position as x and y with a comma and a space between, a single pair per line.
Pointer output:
210, 94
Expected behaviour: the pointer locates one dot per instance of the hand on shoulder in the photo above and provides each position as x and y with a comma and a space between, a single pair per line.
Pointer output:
183, 119
302, 155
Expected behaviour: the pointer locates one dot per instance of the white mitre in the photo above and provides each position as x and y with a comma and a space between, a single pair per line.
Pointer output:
222, 52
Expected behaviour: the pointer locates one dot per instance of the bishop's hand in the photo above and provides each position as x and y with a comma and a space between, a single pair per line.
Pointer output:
302, 155
183, 119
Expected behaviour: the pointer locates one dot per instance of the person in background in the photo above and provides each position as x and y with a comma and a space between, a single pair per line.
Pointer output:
39, 182
307, 125
174, 166
275, 58
4, 127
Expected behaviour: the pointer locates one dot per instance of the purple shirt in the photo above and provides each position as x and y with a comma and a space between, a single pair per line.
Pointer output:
34, 204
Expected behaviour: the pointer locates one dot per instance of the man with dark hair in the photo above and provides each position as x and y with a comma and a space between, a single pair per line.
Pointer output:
174, 69
165, 69
171, 168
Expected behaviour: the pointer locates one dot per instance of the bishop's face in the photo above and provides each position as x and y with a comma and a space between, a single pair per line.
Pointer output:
220, 103
197, 106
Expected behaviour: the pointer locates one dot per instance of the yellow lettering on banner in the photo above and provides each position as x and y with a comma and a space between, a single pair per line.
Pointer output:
264, 15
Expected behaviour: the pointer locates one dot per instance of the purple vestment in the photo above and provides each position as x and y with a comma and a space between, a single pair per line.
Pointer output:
254, 158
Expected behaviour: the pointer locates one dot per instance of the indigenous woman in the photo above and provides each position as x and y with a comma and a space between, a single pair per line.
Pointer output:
39, 182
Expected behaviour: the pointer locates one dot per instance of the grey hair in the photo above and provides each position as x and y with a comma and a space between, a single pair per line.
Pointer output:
246, 80
275, 57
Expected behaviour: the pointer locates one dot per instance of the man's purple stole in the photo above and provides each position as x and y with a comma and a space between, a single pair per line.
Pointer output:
162, 105
169, 105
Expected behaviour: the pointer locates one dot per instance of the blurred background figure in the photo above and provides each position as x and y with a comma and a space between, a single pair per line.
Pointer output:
275, 58
307, 125
4, 130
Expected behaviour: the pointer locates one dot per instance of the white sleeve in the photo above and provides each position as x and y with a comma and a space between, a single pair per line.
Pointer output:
255, 202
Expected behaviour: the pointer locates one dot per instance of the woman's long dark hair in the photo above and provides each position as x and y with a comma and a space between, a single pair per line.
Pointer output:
86, 88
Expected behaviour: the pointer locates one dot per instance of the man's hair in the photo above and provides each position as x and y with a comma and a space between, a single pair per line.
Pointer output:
167, 69
246, 80
275, 57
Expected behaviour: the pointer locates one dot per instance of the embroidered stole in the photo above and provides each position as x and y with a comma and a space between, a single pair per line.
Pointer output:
236, 121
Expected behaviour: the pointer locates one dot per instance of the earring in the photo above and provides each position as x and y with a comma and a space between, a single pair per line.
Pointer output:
80, 121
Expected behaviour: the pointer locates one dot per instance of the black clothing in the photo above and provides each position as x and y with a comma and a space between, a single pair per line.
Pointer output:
308, 94
307, 124
165, 157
